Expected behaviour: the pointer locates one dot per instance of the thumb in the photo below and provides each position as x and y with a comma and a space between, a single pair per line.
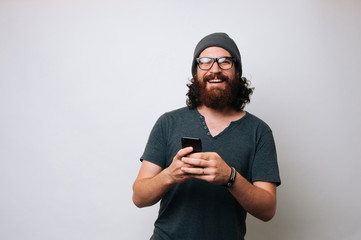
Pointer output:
183, 152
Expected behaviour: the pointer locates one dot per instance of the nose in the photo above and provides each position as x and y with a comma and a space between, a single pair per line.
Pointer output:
215, 68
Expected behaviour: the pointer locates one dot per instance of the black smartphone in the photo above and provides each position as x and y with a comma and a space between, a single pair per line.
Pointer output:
196, 143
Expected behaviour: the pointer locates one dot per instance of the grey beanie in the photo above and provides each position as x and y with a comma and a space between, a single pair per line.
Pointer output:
218, 40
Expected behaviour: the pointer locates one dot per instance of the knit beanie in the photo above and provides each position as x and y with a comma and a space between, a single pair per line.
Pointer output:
218, 40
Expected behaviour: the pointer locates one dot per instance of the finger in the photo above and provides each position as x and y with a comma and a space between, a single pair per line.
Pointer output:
207, 178
193, 171
200, 155
195, 161
183, 152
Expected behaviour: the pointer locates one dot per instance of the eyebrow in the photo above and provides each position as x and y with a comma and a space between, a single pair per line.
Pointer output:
216, 57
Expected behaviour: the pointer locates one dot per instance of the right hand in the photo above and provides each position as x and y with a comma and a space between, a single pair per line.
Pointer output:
175, 169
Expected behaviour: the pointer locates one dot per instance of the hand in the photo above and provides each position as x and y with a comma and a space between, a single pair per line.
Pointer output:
208, 166
174, 170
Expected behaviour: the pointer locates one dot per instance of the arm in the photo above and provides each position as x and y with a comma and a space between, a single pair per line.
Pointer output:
153, 182
259, 198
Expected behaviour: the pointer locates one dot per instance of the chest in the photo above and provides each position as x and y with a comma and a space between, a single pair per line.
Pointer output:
216, 126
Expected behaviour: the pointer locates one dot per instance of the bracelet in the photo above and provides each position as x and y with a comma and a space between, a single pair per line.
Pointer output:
232, 177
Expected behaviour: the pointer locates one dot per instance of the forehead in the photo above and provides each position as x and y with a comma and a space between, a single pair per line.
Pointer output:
215, 52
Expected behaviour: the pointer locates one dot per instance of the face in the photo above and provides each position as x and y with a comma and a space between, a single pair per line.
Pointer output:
216, 86
212, 75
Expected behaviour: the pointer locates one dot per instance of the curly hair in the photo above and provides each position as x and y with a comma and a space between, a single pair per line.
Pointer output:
243, 93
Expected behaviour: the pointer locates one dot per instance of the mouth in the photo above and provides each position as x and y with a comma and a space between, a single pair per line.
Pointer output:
215, 78
215, 81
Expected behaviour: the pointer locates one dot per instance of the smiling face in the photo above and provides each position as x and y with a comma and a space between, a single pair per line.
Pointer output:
217, 87
215, 77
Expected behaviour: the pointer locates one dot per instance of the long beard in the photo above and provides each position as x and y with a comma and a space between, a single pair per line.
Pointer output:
217, 98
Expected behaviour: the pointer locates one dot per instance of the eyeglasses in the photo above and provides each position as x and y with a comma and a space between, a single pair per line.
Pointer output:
206, 63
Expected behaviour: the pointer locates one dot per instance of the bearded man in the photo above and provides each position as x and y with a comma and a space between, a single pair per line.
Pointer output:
207, 195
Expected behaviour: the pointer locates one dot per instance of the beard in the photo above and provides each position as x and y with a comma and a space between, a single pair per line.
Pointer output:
215, 97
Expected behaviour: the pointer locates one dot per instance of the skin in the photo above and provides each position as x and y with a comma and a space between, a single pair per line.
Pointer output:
152, 182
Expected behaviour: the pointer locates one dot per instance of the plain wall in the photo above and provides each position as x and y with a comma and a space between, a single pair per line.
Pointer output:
82, 83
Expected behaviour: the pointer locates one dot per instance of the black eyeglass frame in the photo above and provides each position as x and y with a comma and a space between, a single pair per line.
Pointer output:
216, 60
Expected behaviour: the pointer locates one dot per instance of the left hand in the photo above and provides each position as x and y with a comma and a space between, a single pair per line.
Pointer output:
208, 166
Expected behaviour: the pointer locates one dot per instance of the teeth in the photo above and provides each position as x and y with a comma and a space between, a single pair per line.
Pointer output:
215, 81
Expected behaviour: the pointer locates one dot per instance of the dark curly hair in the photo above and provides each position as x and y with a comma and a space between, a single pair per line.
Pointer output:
243, 93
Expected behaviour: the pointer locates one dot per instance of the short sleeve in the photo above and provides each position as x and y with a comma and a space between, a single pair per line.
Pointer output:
155, 150
265, 166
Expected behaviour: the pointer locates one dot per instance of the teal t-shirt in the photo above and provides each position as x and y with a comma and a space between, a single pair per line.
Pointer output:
197, 209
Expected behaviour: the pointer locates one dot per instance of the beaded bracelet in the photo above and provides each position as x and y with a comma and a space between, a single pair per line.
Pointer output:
232, 177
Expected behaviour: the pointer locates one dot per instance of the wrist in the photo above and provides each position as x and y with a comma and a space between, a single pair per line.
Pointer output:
168, 178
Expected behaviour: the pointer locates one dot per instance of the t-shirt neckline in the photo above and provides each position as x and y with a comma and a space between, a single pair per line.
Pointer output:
227, 129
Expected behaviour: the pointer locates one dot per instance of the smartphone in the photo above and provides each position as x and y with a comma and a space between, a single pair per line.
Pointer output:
196, 143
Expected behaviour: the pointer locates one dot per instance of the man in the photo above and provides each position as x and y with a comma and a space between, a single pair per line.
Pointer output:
206, 195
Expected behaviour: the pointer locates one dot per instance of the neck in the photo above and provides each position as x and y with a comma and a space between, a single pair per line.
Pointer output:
224, 112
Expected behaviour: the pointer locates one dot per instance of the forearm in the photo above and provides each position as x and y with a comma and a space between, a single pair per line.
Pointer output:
255, 200
148, 191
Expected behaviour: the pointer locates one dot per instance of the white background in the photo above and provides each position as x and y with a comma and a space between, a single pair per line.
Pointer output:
82, 83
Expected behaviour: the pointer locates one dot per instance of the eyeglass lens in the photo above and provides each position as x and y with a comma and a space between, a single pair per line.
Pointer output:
206, 63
